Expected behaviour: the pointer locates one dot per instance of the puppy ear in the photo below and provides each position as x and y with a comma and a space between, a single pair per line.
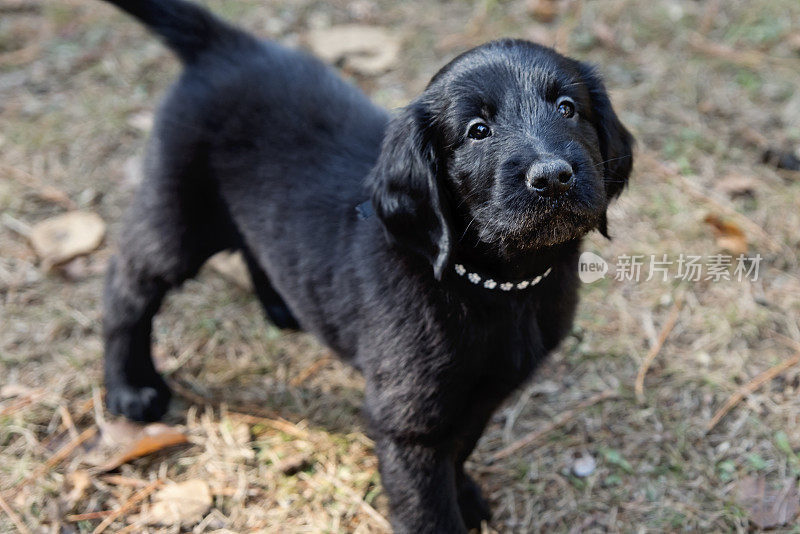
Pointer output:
616, 142
406, 191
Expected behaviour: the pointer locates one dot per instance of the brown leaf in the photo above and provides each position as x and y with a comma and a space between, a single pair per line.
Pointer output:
184, 503
149, 439
729, 235
543, 10
368, 50
61, 238
768, 508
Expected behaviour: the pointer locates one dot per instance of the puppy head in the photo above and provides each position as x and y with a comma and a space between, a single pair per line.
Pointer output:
511, 142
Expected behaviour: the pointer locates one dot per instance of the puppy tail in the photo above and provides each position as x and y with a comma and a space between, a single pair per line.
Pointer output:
189, 30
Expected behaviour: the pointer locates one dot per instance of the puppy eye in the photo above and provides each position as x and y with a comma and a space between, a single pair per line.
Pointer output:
566, 107
479, 131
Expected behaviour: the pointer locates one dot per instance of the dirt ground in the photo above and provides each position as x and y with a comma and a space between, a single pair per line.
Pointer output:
274, 437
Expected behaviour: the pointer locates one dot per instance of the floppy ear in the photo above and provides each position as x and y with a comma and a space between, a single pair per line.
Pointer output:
616, 142
406, 191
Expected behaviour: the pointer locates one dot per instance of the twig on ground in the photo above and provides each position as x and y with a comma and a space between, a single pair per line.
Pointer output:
17, 405
127, 505
119, 480
58, 457
67, 421
247, 414
306, 373
656, 348
750, 387
16, 226
786, 340
131, 528
278, 423
749, 58
559, 421
188, 394
88, 516
13, 516
65, 451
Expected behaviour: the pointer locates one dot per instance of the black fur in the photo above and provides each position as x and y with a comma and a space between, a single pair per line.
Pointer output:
266, 150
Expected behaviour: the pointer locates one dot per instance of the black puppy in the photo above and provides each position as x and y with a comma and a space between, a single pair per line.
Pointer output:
436, 250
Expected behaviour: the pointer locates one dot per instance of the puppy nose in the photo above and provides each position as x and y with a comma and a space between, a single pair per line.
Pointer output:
549, 177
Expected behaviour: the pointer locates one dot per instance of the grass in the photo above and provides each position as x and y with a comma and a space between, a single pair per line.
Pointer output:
702, 108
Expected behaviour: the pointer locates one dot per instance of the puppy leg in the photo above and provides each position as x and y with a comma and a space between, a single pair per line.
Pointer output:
473, 505
420, 482
132, 296
168, 236
276, 309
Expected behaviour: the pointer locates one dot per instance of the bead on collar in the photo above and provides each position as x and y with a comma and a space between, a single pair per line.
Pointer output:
489, 283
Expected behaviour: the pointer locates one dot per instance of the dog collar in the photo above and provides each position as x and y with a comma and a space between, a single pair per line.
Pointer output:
489, 283
364, 211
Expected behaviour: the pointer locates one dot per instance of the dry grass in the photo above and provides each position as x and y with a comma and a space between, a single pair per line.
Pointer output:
704, 86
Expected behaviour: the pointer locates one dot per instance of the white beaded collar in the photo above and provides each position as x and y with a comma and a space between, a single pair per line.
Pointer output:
488, 283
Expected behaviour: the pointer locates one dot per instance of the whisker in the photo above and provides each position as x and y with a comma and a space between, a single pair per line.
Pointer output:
612, 159
466, 229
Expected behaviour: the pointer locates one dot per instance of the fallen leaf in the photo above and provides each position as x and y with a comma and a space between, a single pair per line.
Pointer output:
61, 238
768, 508
737, 185
728, 234
231, 265
149, 439
184, 503
368, 50
543, 10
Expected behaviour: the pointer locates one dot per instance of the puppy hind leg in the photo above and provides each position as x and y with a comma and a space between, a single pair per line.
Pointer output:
132, 297
276, 309
158, 251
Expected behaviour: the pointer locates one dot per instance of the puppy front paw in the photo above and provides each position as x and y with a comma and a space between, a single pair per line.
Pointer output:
474, 508
138, 403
